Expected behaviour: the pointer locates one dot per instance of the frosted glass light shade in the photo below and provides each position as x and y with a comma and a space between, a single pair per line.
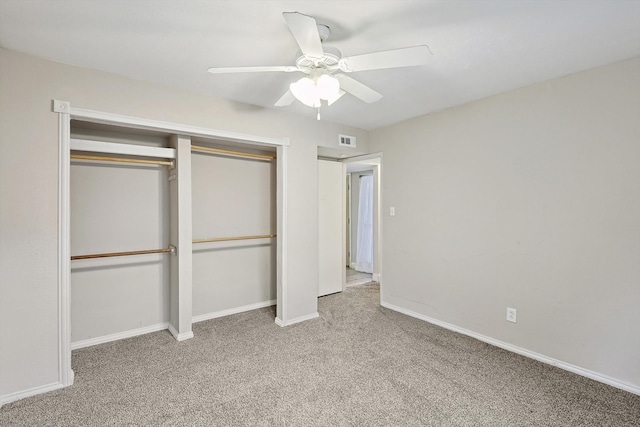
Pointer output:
328, 87
306, 92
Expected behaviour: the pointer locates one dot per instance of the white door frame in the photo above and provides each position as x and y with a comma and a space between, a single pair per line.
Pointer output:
65, 113
375, 160
348, 223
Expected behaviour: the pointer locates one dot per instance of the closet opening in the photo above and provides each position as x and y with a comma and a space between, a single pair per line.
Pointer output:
234, 211
125, 226
119, 232
122, 240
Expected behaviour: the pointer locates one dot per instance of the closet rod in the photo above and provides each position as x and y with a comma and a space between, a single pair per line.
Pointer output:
226, 239
122, 160
233, 153
170, 249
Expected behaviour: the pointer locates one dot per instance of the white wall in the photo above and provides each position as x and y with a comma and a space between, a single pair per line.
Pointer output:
529, 200
29, 194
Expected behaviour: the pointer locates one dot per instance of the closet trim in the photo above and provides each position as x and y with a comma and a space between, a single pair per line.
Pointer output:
65, 114
65, 373
156, 125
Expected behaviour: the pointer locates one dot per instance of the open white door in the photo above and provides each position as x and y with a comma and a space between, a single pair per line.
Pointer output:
330, 199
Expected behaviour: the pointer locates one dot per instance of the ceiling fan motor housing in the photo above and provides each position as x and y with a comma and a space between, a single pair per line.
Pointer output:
328, 61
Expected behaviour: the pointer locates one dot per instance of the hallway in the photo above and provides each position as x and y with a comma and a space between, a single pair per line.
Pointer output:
357, 277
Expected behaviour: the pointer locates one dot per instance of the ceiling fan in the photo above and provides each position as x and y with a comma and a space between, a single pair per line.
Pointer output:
326, 67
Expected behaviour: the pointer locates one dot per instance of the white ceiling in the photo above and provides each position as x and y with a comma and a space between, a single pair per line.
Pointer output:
480, 47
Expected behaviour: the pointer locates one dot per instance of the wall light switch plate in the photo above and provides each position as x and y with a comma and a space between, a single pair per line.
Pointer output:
392, 211
512, 314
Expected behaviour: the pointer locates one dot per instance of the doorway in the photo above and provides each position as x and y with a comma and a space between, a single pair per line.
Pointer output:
359, 260
362, 219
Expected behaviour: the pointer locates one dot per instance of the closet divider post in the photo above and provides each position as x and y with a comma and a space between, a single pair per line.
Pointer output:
180, 236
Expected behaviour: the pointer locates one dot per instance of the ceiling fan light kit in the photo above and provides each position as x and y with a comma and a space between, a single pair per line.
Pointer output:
311, 90
320, 62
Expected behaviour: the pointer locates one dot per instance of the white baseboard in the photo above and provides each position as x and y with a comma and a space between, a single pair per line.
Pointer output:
375, 277
282, 323
522, 351
162, 326
119, 336
235, 310
180, 336
12, 397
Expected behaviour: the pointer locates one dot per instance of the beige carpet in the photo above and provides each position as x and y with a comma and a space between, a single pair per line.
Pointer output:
357, 365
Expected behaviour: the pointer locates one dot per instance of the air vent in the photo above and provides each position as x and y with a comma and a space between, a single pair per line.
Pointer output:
346, 141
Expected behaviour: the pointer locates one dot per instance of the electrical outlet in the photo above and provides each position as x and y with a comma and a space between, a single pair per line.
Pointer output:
511, 314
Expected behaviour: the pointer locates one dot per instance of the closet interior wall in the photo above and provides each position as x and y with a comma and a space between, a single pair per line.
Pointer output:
233, 196
118, 207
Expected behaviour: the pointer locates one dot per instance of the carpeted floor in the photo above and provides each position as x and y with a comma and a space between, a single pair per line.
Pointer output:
357, 365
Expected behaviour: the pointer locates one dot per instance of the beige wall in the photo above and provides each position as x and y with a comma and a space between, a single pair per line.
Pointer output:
528, 200
29, 192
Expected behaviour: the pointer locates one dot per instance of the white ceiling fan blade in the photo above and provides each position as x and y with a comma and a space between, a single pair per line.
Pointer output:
357, 89
223, 70
405, 57
335, 98
285, 100
305, 31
